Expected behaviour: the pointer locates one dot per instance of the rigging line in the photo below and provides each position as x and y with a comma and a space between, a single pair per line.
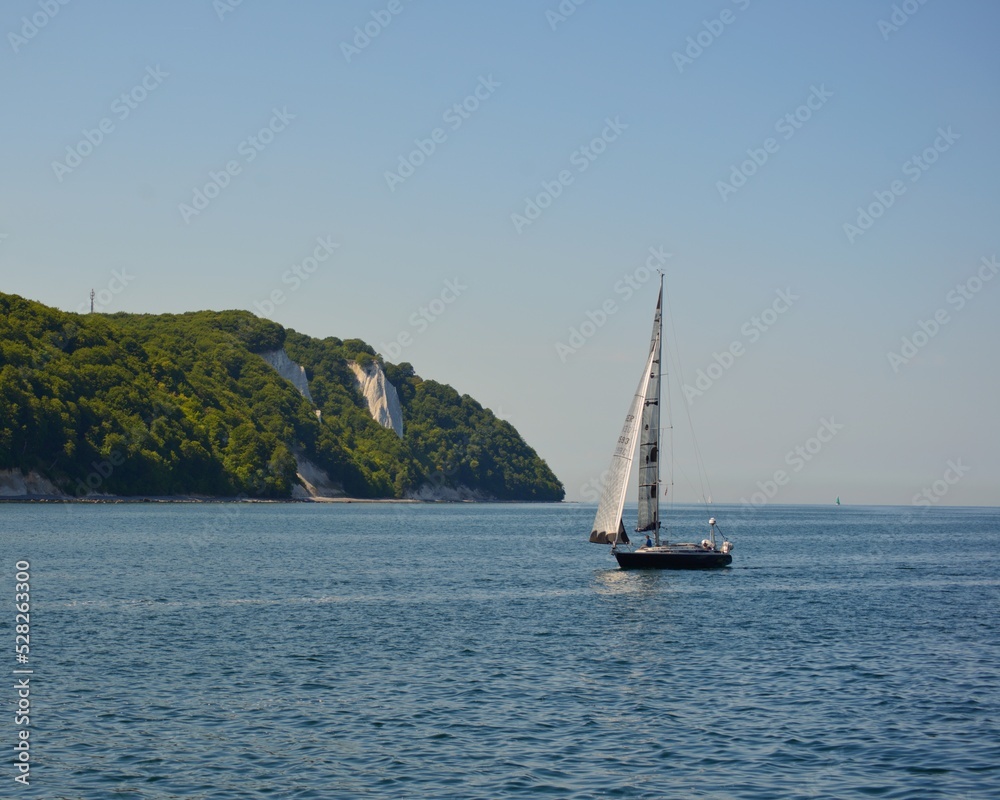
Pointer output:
665, 377
672, 353
699, 461
686, 481
671, 484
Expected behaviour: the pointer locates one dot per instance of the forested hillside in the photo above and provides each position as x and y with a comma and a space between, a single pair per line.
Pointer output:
183, 404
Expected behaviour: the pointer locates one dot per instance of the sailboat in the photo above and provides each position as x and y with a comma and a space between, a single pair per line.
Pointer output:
642, 428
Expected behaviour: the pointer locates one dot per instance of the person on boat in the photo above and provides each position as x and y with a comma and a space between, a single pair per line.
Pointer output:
649, 542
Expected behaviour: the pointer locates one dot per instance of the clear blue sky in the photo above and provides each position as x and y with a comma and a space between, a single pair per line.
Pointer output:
337, 120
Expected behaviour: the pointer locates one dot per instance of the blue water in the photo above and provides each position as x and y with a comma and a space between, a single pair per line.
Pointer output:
454, 651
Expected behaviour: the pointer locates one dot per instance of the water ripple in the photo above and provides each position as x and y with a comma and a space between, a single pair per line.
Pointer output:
491, 652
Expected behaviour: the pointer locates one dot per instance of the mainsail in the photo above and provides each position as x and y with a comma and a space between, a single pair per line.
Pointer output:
649, 436
608, 527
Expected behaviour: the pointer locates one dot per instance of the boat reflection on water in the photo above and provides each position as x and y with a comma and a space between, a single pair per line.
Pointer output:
638, 584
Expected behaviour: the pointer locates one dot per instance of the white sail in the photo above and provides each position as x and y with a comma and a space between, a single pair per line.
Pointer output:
608, 527
649, 436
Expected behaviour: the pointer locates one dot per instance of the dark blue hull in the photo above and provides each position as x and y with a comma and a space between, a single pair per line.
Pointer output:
664, 558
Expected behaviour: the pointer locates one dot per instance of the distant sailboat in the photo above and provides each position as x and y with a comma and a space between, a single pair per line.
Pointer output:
838, 499
643, 418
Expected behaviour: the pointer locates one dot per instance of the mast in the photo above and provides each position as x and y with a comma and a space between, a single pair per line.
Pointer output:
649, 432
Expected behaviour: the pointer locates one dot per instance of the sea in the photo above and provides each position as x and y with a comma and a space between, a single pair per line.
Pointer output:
357, 650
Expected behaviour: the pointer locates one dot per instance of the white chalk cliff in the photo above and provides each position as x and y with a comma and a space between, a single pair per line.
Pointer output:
314, 481
381, 396
14, 483
288, 370
383, 404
